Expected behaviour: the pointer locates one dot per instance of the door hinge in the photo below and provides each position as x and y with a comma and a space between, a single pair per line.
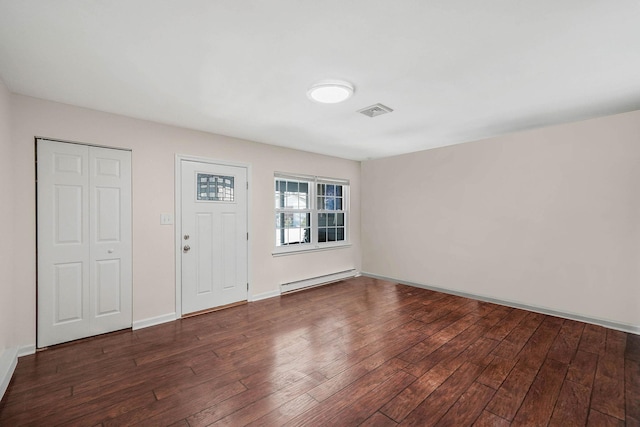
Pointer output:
247, 185
247, 236
247, 286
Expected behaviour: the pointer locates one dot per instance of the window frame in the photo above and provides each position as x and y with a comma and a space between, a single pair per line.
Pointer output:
313, 245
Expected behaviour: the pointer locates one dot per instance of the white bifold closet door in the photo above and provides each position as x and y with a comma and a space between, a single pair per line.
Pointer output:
84, 241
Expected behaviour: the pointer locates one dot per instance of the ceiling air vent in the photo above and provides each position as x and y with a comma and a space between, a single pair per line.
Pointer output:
375, 110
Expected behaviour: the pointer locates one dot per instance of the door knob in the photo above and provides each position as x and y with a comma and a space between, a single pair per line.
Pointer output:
186, 248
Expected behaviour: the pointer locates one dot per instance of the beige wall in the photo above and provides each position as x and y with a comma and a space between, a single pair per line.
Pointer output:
548, 218
154, 148
7, 321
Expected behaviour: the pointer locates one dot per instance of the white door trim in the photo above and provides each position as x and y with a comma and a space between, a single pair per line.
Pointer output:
178, 219
68, 141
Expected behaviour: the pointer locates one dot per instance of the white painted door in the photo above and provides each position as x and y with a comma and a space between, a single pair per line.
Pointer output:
213, 235
84, 241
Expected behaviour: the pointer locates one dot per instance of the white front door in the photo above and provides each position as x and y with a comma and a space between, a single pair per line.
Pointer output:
84, 241
213, 235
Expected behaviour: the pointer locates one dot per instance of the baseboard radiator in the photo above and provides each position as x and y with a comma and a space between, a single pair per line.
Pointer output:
316, 281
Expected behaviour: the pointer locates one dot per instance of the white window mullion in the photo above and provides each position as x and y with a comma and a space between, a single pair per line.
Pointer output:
314, 213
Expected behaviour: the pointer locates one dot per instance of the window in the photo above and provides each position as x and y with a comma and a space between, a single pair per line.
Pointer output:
293, 213
214, 188
330, 212
311, 212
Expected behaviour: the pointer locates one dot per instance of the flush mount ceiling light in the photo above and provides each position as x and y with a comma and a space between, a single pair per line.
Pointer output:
330, 91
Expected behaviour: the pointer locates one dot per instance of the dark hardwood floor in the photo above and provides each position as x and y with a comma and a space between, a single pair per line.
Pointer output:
359, 352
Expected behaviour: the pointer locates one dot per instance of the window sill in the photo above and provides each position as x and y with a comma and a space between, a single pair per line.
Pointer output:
288, 250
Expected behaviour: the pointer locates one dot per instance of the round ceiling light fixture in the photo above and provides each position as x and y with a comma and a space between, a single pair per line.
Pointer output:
330, 91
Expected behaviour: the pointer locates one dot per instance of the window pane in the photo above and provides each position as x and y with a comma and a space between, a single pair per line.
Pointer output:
340, 233
296, 235
292, 236
322, 234
330, 204
303, 200
281, 237
280, 188
331, 234
291, 201
322, 220
330, 190
331, 219
339, 190
339, 204
292, 195
300, 220
216, 188
320, 189
340, 219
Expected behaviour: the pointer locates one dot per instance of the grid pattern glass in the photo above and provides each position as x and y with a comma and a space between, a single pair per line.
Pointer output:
216, 188
293, 212
310, 211
331, 215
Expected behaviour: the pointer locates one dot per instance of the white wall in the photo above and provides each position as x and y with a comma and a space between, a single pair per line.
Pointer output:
547, 218
7, 321
154, 148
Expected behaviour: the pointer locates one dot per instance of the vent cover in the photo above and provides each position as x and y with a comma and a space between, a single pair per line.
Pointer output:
375, 110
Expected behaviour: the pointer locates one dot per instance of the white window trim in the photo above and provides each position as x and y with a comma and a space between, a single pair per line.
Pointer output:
309, 247
317, 246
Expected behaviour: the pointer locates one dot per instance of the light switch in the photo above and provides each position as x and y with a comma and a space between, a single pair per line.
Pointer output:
166, 219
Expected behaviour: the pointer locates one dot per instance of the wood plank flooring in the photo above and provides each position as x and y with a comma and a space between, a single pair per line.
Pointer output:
359, 352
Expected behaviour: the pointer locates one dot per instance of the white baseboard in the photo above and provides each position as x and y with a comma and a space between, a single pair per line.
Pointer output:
265, 295
315, 281
152, 321
624, 327
8, 362
26, 350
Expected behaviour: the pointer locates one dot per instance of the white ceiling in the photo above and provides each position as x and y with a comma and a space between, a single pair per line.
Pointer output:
453, 71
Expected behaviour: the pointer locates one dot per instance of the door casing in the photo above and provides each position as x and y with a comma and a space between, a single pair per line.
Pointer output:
178, 220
